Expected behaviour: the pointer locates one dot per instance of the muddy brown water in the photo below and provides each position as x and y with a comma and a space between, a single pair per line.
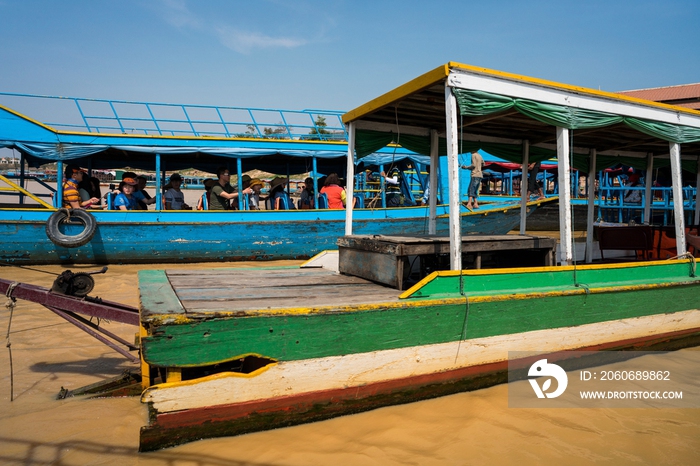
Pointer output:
469, 428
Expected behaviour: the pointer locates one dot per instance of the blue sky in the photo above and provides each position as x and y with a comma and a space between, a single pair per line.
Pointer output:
335, 54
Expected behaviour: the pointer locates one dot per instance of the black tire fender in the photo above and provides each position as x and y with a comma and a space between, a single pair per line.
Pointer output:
76, 216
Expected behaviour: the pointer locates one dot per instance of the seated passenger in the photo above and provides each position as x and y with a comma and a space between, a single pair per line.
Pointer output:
307, 195
208, 184
332, 190
277, 186
125, 200
254, 198
174, 197
141, 191
137, 194
222, 193
89, 188
633, 196
71, 191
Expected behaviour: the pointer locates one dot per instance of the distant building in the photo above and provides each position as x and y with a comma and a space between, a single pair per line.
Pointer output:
684, 95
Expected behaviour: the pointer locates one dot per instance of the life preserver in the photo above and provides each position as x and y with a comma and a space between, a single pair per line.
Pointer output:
66, 241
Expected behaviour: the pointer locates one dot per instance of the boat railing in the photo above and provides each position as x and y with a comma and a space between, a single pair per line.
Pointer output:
15, 190
165, 119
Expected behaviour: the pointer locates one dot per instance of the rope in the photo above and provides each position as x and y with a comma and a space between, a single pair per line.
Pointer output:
9, 264
691, 258
11, 303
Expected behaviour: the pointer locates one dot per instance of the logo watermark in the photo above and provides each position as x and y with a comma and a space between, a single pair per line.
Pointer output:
604, 379
543, 368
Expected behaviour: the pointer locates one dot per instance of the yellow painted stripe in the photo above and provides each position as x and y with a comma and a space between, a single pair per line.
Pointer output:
421, 82
179, 319
29, 119
528, 270
579, 89
157, 136
16, 187
220, 375
440, 73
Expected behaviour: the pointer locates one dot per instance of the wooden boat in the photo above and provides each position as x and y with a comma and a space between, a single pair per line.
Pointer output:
225, 354
200, 236
206, 236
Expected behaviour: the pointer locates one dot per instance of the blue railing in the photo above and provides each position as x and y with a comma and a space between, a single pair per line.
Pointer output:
152, 118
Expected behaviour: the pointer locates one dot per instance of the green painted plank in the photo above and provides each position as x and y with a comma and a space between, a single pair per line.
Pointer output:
156, 295
303, 336
541, 280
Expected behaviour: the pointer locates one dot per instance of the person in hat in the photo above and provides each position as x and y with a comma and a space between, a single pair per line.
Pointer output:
223, 193
125, 200
335, 194
71, 192
254, 198
208, 184
277, 186
392, 187
174, 197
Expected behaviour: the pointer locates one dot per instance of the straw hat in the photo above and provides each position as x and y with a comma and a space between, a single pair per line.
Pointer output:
276, 181
255, 181
129, 180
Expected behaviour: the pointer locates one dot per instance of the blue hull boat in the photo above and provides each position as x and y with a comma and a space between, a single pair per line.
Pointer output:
206, 236
109, 141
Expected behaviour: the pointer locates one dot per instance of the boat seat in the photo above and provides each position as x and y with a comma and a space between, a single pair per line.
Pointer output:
110, 201
359, 201
639, 238
285, 202
205, 202
322, 201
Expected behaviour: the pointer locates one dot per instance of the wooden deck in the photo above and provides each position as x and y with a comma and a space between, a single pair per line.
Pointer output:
390, 259
204, 293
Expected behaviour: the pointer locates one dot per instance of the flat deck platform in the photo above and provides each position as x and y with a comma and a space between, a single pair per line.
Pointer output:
392, 259
206, 293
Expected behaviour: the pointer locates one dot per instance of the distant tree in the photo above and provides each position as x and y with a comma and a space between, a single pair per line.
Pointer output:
319, 129
280, 132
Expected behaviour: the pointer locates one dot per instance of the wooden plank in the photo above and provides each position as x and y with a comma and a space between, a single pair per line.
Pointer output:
157, 295
254, 291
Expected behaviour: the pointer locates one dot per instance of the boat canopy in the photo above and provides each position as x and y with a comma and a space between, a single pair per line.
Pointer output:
497, 122
41, 144
458, 108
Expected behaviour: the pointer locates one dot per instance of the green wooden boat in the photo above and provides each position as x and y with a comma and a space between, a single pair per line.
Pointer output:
234, 351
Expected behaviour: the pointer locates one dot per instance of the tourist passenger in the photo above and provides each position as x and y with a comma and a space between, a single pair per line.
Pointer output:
277, 193
477, 175
141, 191
426, 194
254, 198
71, 191
174, 197
307, 194
393, 187
125, 200
335, 194
89, 188
532, 185
633, 196
223, 193
208, 184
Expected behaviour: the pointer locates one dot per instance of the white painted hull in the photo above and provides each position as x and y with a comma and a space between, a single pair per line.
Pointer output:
294, 378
